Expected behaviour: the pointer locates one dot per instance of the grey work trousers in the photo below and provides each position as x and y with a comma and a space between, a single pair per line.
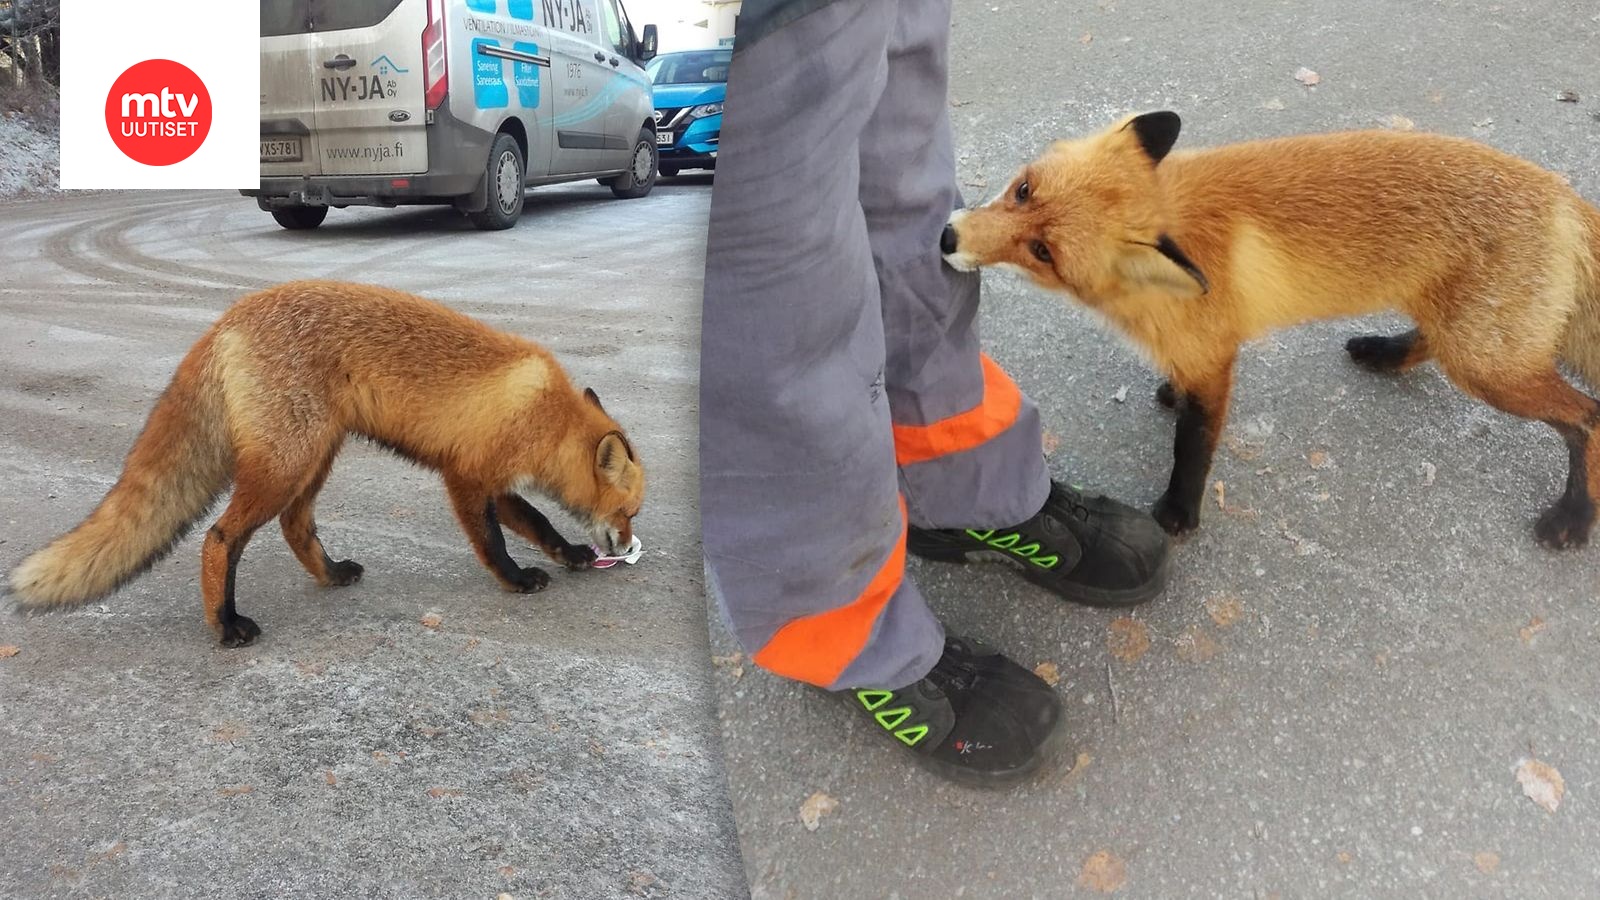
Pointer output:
843, 391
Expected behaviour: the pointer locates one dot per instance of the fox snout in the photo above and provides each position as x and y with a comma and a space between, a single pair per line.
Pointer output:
613, 539
950, 245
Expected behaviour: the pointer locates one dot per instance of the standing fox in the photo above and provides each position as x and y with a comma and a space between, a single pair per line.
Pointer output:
265, 400
1496, 260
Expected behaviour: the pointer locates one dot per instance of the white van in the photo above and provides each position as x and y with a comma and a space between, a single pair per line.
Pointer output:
465, 102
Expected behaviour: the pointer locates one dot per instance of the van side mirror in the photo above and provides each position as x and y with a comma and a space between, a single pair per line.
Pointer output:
647, 47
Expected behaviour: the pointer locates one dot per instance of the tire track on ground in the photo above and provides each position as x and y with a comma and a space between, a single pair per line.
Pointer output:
114, 243
76, 248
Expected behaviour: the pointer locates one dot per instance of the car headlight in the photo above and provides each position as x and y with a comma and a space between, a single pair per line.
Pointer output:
705, 109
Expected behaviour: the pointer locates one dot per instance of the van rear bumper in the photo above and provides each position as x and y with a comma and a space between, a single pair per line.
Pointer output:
457, 156
362, 190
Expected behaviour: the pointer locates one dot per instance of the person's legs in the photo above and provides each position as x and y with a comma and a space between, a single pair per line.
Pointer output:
967, 440
804, 528
801, 516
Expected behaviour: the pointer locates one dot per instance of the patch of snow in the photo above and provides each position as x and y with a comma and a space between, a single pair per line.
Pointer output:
30, 159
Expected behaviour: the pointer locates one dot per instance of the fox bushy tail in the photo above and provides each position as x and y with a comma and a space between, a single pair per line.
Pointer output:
180, 463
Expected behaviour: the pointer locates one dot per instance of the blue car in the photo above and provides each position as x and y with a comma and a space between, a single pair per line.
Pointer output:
689, 89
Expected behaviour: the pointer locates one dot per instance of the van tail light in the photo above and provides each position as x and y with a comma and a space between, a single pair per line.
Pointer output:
435, 64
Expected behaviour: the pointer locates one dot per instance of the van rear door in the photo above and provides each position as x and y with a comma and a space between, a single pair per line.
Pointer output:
369, 95
288, 91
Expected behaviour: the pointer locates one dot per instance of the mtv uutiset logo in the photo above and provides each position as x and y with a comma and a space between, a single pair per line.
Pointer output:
158, 112
160, 95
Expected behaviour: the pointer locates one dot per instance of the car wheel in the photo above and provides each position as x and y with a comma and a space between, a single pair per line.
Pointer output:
507, 184
641, 174
300, 218
667, 170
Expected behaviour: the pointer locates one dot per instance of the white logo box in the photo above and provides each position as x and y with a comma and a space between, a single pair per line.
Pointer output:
221, 42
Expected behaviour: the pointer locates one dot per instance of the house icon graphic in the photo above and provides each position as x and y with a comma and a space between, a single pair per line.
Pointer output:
385, 65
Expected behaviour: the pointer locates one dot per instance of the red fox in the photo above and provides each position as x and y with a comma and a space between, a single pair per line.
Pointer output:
1495, 260
265, 400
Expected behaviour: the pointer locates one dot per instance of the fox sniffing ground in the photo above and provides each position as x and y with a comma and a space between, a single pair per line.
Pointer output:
1193, 253
264, 401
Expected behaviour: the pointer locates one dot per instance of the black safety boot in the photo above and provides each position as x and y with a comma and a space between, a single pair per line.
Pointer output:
977, 717
1090, 550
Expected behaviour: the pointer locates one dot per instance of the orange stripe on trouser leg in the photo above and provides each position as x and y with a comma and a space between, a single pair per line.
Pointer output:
817, 648
963, 431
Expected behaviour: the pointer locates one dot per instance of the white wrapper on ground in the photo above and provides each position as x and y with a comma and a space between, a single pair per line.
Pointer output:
635, 550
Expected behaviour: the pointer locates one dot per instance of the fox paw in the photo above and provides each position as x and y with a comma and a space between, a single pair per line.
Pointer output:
239, 631
1562, 527
344, 572
1175, 518
531, 580
577, 557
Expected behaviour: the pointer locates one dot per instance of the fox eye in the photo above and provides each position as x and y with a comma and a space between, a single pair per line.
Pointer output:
1039, 251
1023, 190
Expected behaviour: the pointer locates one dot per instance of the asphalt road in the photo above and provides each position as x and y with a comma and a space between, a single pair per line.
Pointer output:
1354, 660
555, 745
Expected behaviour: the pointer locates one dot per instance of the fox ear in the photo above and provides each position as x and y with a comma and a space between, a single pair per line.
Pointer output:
1163, 264
592, 397
612, 455
1156, 131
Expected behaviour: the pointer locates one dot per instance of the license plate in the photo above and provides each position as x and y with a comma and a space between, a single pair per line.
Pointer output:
280, 150
663, 138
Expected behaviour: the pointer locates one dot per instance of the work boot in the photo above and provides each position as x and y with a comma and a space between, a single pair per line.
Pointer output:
1089, 550
977, 718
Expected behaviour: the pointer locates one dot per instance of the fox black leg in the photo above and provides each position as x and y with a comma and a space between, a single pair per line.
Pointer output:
522, 517
1388, 353
1178, 510
1567, 522
251, 507
1548, 397
526, 581
475, 510
1202, 410
235, 630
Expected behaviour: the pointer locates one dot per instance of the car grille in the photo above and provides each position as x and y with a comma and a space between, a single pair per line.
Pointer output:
667, 119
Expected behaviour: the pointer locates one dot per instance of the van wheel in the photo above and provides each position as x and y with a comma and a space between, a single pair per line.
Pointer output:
299, 218
641, 174
667, 170
506, 185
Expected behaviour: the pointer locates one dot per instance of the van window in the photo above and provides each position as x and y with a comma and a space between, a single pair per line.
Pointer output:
630, 38
613, 36
280, 17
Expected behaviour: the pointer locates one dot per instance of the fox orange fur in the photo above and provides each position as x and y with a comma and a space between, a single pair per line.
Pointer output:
265, 400
1495, 260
